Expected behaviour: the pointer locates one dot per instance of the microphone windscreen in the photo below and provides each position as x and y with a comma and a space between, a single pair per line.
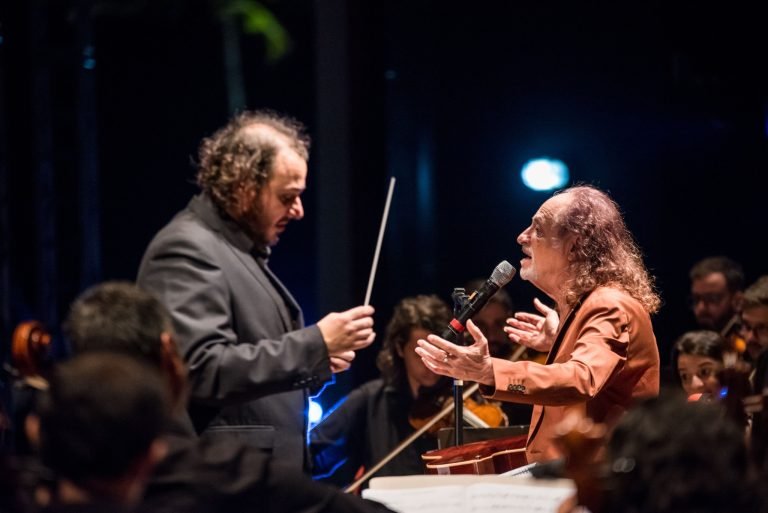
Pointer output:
503, 273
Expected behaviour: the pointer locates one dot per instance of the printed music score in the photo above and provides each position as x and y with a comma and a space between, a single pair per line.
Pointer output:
464, 493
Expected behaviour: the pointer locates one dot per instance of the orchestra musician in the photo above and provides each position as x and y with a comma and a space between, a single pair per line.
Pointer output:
602, 350
698, 358
196, 474
717, 285
376, 417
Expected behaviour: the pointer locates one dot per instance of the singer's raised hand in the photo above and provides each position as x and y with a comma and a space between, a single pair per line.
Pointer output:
470, 363
350, 330
533, 330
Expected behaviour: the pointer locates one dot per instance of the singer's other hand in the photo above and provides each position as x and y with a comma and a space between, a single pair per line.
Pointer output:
350, 330
533, 330
470, 363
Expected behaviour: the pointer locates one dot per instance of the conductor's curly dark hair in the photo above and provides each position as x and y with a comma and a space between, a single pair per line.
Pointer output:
235, 156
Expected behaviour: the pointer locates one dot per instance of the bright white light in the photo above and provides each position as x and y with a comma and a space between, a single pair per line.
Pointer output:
315, 412
544, 174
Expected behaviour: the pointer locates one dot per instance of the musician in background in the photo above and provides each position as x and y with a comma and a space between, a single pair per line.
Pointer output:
602, 350
754, 329
717, 285
698, 358
492, 318
197, 474
380, 414
252, 362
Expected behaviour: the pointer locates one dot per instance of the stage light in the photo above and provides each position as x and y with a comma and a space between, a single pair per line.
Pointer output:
544, 174
315, 412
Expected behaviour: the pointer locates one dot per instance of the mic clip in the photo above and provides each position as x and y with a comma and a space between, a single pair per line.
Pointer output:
460, 301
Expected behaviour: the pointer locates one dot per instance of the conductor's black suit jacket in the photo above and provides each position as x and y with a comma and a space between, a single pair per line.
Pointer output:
251, 361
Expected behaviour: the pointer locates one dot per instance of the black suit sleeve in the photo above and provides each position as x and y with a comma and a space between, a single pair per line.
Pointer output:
185, 273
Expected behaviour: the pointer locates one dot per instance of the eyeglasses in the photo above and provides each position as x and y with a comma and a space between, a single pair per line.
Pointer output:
760, 330
708, 299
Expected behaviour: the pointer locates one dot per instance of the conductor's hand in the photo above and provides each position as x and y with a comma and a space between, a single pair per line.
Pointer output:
470, 363
532, 330
351, 330
342, 362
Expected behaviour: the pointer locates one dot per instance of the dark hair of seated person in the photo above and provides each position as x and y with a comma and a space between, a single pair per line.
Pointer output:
101, 413
670, 455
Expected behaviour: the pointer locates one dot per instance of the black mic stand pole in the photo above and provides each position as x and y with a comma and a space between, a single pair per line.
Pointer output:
459, 297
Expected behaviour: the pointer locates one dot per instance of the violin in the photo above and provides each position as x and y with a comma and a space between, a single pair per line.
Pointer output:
447, 409
485, 457
476, 413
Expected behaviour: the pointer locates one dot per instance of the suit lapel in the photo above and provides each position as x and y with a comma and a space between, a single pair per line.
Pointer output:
243, 249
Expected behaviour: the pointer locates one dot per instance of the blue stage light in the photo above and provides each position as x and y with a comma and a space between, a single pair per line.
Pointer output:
545, 174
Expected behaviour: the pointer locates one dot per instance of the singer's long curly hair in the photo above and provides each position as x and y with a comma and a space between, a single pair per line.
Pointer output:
604, 251
426, 312
236, 155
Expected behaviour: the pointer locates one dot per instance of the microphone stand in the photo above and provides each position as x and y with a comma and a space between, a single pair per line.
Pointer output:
459, 297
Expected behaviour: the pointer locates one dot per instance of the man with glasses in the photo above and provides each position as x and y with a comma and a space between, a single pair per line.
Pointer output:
754, 318
716, 292
754, 329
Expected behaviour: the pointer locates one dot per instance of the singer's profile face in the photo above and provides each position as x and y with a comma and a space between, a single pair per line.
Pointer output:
418, 374
546, 254
268, 212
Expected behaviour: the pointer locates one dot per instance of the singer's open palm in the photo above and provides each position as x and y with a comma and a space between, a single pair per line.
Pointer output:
534, 330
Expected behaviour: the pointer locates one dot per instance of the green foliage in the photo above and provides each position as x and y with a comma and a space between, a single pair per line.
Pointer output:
258, 19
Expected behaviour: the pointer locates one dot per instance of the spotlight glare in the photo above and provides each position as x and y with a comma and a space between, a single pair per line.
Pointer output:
315, 412
544, 174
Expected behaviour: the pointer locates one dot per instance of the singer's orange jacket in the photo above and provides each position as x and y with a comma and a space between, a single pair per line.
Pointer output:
606, 360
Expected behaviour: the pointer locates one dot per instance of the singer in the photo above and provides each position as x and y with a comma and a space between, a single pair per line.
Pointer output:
602, 350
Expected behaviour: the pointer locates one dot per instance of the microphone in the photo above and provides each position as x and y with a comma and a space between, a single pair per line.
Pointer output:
500, 277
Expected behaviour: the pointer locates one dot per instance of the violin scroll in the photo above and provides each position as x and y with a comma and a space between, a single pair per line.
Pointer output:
30, 350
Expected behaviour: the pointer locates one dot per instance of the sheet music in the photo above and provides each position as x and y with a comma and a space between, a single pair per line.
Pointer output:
442, 499
473, 498
484, 498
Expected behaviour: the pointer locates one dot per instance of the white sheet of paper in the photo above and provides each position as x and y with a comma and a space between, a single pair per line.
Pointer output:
473, 498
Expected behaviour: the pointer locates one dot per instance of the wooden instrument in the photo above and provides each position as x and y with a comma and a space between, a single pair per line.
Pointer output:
486, 457
30, 352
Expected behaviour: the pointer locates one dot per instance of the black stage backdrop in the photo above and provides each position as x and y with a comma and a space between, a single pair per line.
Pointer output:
104, 103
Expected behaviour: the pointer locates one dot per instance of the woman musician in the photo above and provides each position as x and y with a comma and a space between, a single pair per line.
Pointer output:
376, 417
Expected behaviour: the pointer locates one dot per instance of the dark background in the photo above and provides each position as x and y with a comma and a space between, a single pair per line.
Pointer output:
103, 104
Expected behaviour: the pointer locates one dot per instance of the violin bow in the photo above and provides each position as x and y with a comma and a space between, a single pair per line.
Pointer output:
448, 408
379, 241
